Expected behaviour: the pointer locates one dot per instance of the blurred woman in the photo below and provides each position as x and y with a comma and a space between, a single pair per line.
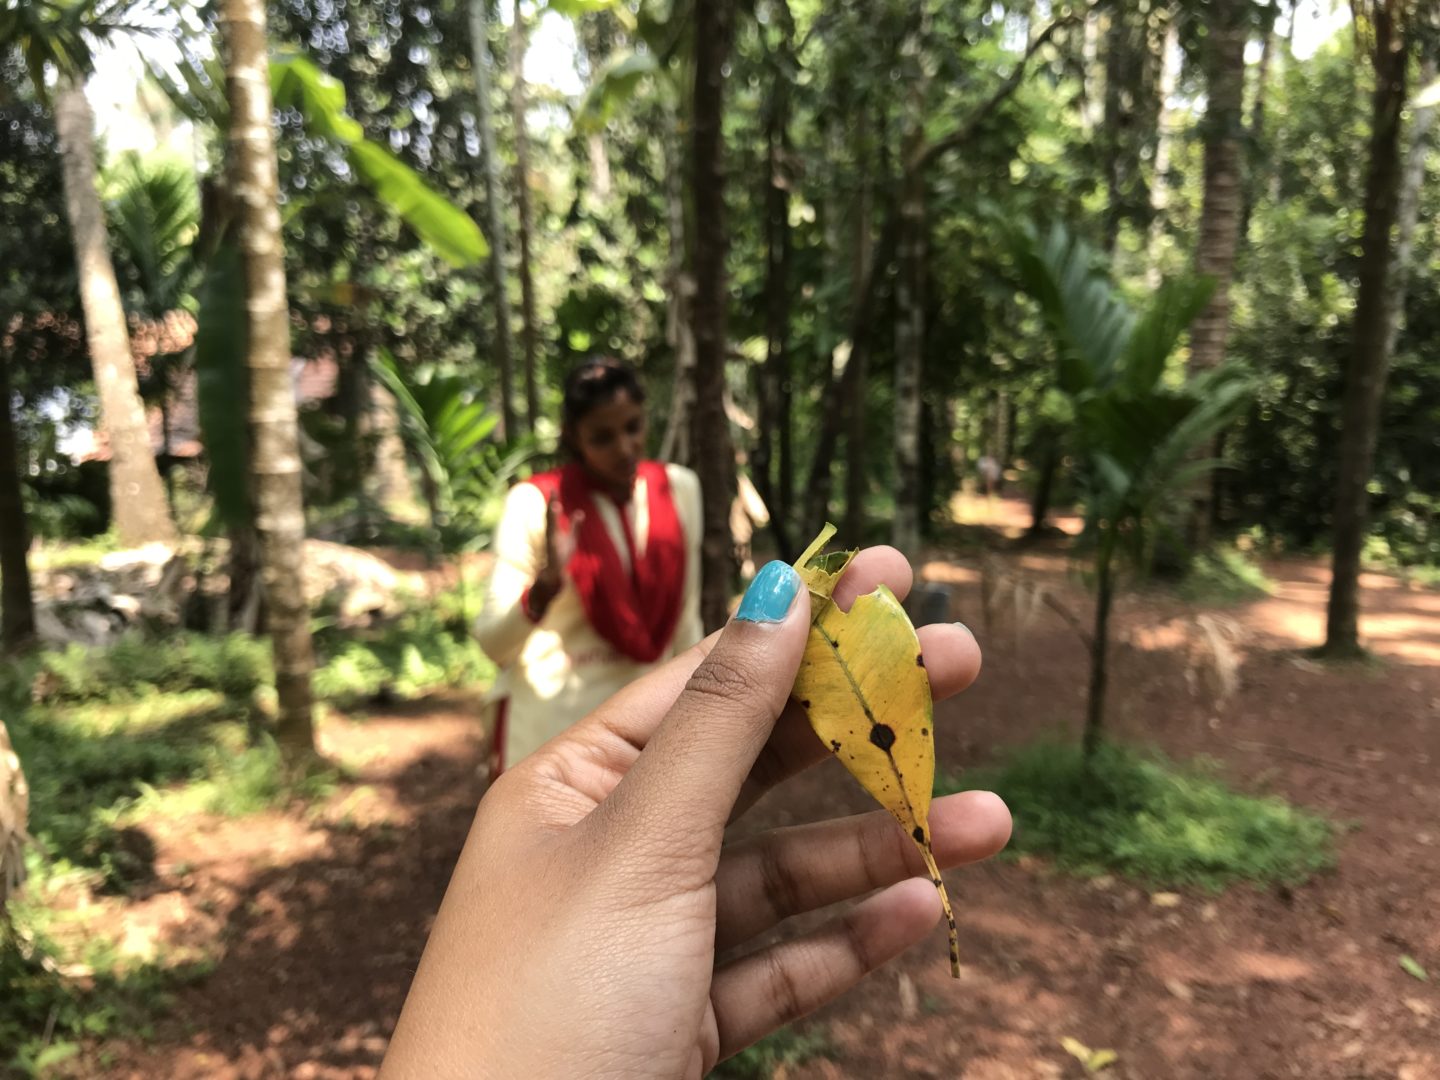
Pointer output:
597, 568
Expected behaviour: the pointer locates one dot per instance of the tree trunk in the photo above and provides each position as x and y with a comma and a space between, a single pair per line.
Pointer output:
909, 354
774, 418
710, 435
1099, 650
837, 391
1044, 487
137, 497
274, 428
1422, 122
1370, 357
1258, 166
1159, 184
522, 205
680, 296
485, 121
17, 598
856, 474
1220, 213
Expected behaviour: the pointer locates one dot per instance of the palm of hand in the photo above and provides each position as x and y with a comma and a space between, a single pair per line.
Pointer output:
609, 844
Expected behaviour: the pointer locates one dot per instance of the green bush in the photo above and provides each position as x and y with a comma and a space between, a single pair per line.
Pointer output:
235, 665
425, 649
1141, 815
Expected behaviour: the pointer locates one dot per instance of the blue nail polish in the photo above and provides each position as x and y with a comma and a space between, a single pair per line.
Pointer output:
770, 595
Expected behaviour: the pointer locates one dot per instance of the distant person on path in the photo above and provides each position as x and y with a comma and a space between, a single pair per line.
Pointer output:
597, 568
989, 471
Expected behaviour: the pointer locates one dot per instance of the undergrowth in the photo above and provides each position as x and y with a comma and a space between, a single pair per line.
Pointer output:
778, 1050
1223, 576
1141, 815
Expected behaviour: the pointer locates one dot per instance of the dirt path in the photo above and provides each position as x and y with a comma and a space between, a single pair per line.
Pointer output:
320, 922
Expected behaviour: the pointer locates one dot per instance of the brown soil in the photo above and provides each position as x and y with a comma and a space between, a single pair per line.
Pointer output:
318, 920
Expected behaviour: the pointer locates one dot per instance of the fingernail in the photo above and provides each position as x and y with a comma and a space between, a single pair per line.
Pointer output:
967, 630
770, 595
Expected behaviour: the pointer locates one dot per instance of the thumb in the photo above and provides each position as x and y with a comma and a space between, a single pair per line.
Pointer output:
686, 780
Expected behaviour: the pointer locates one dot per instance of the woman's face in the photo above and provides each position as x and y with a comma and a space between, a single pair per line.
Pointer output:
610, 440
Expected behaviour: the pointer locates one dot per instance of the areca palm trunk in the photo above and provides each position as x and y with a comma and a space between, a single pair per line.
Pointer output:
485, 121
519, 111
137, 496
274, 428
1220, 213
711, 450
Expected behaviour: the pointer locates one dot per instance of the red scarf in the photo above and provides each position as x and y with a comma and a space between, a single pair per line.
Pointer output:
635, 612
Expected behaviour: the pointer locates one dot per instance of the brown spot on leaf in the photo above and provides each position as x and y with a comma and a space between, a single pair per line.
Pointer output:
804, 703
835, 745
919, 660
883, 736
924, 731
919, 835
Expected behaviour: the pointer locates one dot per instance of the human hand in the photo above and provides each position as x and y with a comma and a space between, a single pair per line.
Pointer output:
559, 545
580, 933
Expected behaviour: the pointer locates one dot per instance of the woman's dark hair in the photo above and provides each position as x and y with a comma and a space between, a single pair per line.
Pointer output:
594, 383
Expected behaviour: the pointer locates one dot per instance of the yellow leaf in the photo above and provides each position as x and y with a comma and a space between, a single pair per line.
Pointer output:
1076, 1049
862, 683
1101, 1059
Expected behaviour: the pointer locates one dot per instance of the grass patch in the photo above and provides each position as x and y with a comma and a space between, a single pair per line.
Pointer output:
1141, 815
1223, 576
777, 1050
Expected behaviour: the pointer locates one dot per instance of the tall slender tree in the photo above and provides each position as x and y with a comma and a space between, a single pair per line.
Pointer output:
519, 111
1384, 27
774, 380
711, 450
490, 162
62, 39
275, 466
1224, 66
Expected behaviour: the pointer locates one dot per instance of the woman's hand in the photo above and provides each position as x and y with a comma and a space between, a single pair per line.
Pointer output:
559, 550
580, 933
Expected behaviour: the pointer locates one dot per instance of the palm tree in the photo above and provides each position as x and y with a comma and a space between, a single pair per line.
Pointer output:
485, 121
62, 36
1134, 434
275, 468
710, 447
1224, 65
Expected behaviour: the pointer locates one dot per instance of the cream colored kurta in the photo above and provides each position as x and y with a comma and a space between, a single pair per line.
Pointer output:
556, 671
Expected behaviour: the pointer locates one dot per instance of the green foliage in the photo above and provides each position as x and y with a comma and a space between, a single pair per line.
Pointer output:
235, 665
297, 83
63, 36
1141, 815
448, 430
45, 1018
153, 213
1223, 575
778, 1050
427, 648
1136, 431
